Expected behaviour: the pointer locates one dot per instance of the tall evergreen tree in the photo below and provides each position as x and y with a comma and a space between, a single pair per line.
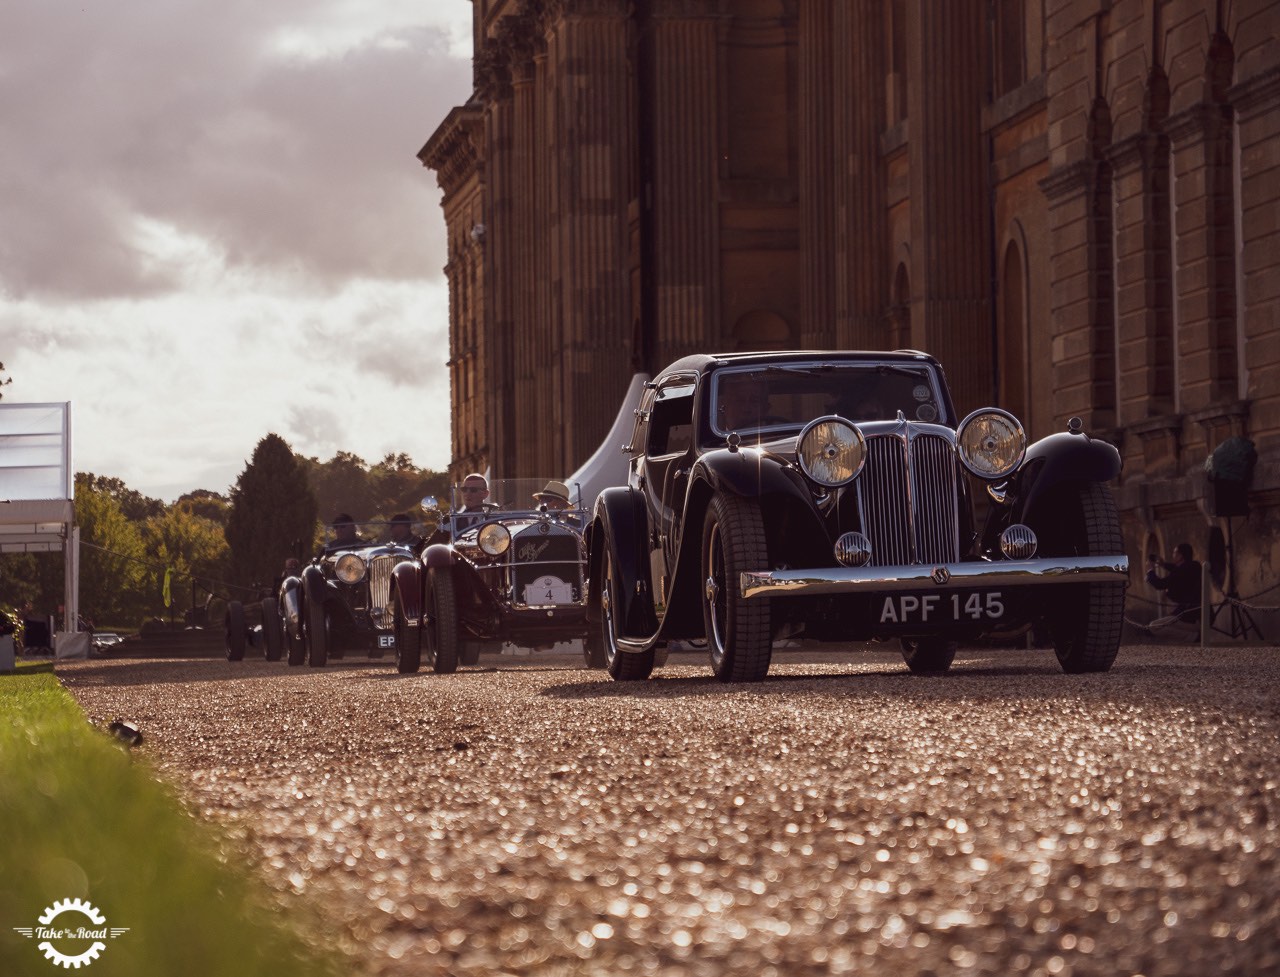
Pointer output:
273, 513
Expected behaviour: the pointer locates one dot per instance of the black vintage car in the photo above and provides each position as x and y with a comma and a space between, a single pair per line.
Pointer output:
338, 602
832, 496
505, 567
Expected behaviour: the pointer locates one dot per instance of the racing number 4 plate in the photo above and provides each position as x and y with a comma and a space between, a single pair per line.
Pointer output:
941, 608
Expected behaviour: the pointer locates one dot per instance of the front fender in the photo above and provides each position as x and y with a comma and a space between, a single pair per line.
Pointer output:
406, 583
619, 523
314, 585
749, 472
1054, 461
438, 555
291, 605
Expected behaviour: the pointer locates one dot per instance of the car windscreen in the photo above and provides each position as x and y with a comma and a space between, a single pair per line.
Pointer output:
374, 532
779, 398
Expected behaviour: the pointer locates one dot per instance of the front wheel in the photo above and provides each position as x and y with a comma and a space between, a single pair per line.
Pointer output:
442, 621
296, 643
236, 634
317, 634
272, 630
928, 656
1088, 620
624, 666
593, 650
408, 640
738, 630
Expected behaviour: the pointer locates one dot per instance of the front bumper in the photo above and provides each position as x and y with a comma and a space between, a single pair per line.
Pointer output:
943, 576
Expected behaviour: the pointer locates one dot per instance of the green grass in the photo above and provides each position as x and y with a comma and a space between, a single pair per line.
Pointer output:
81, 818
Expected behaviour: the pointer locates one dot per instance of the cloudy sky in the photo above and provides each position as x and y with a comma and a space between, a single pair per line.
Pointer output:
213, 226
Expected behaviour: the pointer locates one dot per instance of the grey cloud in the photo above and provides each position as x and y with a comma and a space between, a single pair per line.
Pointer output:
174, 112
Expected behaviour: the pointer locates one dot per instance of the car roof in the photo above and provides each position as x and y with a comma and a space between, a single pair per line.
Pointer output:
706, 362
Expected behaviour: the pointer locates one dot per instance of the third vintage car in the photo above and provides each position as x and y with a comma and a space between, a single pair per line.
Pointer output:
338, 602
506, 565
839, 496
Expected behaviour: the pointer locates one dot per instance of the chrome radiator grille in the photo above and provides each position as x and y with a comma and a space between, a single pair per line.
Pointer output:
908, 499
380, 589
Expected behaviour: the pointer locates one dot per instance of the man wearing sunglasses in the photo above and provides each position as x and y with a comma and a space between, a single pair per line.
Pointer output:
474, 494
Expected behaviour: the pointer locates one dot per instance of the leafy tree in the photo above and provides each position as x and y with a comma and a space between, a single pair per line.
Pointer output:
192, 546
341, 484
116, 581
134, 505
273, 513
206, 504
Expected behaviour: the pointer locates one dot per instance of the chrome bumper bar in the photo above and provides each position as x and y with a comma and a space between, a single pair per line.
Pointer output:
945, 576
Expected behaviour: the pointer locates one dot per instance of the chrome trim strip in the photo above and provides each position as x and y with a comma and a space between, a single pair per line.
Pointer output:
957, 576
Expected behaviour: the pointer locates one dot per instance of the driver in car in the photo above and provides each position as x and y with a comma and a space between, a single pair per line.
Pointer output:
475, 504
400, 531
344, 534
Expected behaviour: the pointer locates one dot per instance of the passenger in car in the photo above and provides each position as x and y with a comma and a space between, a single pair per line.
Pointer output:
554, 498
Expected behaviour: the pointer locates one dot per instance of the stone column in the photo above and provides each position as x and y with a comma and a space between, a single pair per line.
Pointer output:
862, 268
681, 190
818, 175
595, 126
950, 195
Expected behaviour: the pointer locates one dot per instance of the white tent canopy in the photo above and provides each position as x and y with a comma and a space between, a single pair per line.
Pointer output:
37, 486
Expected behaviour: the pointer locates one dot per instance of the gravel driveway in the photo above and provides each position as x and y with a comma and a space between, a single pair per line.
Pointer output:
841, 817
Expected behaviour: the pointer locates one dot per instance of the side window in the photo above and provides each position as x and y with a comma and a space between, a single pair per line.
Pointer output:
671, 421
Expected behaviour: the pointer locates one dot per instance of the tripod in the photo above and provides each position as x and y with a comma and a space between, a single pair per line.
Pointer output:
1240, 620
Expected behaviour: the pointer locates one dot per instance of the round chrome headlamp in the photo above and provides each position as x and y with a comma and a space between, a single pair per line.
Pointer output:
349, 568
831, 451
853, 550
494, 539
1018, 542
991, 443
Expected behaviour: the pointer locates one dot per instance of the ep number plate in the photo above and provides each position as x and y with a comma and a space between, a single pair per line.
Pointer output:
927, 608
386, 641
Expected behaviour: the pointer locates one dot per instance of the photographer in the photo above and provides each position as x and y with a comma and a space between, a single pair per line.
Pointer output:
1181, 582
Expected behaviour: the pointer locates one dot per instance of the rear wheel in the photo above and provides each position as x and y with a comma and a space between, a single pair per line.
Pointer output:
317, 634
738, 630
625, 666
442, 621
1087, 620
237, 634
469, 651
272, 632
408, 640
928, 656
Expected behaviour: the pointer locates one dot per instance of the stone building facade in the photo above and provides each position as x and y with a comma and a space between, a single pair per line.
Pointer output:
1073, 204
